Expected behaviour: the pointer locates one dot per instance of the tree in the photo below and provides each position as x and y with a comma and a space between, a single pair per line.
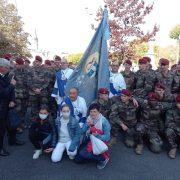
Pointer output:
175, 32
125, 20
168, 52
74, 58
13, 39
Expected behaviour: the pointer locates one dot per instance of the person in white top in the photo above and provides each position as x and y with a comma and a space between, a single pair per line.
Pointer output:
61, 79
117, 82
77, 105
67, 135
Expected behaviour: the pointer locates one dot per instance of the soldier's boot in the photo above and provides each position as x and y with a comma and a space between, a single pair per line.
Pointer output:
129, 143
139, 149
172, 153
112, 142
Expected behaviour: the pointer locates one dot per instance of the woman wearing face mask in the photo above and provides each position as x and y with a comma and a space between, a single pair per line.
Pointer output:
40, 133
67, 135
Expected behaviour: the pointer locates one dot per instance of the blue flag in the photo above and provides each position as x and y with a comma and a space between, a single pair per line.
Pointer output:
92, 72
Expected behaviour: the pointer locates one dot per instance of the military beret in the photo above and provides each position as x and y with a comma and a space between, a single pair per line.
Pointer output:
38, 58
48, 62
7, 56
103, 91
19, 61
178, 98
57, 58
4, 62
153, 96
128, 62
143, 61
164, 62
126, 92
160, 86
147, 58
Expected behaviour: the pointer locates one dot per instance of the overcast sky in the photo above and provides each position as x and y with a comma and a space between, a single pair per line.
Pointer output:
65, 25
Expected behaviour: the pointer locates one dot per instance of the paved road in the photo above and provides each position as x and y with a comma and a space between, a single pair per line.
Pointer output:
124, 165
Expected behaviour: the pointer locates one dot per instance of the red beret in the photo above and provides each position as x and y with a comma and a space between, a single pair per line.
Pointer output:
57, 58
143, 61
48, 62
7, 56
103, 91
19, 61
160, 86
147, 58
126, 92
128, 62
38, 58
153, 96
164, 62
178, 98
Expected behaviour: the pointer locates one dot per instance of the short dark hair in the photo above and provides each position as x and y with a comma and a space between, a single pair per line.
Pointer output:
44, 107
94, 106
65, 105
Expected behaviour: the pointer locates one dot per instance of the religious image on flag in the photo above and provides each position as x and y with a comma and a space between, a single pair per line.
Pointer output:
92, 72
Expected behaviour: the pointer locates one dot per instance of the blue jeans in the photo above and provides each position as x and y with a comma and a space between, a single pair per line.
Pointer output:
84, 155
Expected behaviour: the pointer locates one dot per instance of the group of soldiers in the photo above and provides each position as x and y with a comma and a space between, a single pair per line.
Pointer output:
146, 111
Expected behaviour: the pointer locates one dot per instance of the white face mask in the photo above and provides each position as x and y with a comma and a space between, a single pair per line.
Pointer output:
65, 115
43, 116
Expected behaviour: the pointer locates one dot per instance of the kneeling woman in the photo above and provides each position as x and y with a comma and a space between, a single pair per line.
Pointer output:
66, 136
99, 126
40, 133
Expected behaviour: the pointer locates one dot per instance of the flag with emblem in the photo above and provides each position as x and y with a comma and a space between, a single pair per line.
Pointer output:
92, 72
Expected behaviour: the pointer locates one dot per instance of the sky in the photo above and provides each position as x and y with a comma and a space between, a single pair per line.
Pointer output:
64, 26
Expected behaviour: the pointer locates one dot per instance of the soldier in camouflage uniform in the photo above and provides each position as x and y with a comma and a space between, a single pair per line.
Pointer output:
172, 124
128, 75
21, 93
176, 80
150, 124
144, 79
38, 87
51, 76
123, 116
164, 75
104, 102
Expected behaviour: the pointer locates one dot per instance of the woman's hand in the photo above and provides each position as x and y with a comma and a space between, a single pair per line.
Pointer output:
49, 150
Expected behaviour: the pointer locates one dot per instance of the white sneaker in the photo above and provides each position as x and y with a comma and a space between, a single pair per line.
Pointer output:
71, 157
37, 154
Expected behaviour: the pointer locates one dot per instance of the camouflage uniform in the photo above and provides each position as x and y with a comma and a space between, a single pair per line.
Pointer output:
129, 79
126, 114
172, 124
144, 82
166, 80
37, 78
21, 92
150, 125
105, 107
176, 83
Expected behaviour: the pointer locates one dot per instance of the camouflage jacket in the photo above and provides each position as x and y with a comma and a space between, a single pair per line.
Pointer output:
144, 82
37, 78
166, 80
172, 118
129, 79
123, 113
176, 83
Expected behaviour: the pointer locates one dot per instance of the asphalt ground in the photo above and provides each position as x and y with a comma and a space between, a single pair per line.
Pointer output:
124, 165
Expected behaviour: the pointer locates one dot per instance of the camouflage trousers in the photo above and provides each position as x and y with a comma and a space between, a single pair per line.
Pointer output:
130, 134
34, 104
172, 135
152, 135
